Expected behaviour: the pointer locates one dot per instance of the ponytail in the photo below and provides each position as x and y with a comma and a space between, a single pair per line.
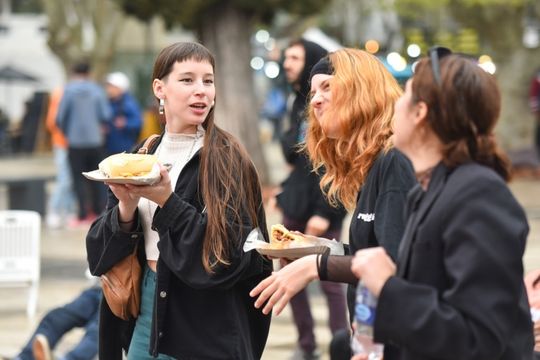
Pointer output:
491, 155
482, 149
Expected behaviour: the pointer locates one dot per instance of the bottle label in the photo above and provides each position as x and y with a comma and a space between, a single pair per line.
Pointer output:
365, 314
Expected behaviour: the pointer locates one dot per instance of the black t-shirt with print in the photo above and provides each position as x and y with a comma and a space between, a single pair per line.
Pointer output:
379, 217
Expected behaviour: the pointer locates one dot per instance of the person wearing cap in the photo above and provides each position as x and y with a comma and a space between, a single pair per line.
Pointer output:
124, 129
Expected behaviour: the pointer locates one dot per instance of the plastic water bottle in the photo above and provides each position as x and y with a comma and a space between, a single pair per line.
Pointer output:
364, 319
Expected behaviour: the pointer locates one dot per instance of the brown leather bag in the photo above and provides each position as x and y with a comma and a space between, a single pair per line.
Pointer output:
122, 283
122, 287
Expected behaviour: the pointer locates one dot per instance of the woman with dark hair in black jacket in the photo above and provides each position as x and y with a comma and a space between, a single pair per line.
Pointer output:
189, 229
457, 291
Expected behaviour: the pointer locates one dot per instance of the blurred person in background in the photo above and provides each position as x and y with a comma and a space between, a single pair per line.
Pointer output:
62, 204
532, 284
301, 200
4, 122
81, 312
83, 114
125, 126
534, 104
152, 123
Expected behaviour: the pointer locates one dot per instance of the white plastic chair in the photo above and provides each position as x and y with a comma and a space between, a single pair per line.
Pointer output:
20, 237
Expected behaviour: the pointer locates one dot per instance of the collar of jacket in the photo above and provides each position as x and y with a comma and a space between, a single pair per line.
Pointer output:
418, 205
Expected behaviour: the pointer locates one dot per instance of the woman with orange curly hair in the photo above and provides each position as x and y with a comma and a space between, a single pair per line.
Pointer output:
349, 135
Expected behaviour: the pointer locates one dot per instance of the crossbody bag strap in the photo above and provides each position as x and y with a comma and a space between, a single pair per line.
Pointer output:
148, 144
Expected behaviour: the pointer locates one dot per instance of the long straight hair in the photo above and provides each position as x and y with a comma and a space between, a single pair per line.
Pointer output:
228, 180
363, 97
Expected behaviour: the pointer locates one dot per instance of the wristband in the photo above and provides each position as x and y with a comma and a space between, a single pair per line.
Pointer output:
318, 263
323, 270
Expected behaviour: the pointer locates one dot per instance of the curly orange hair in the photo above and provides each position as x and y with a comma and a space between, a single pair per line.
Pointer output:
363, 97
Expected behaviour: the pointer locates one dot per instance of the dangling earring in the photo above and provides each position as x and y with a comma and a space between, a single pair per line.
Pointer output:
213, 103
161, 108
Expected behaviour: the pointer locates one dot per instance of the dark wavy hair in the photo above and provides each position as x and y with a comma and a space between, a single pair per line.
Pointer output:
228, 179
462, 111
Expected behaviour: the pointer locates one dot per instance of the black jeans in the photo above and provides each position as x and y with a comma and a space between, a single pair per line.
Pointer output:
340, 346
91, 195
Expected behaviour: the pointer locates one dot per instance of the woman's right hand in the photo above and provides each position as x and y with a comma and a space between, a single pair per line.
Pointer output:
374, 266
277, 290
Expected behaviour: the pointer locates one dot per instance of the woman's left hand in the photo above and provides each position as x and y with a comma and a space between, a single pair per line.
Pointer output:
277, 289
158, 192
373, 266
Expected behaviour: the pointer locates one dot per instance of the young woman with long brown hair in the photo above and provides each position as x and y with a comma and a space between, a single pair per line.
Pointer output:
457, 291
349, 134
189, 228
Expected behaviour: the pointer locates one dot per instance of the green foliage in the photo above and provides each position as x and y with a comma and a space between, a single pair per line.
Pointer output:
469, 26
444, 38
26, 6
418, 8
492, 2
172, 11
430, 4
415, 36
190, 13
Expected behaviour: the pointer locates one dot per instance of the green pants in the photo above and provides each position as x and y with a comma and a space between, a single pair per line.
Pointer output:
140, 342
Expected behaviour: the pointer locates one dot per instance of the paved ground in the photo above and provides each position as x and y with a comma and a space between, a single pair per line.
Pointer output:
63, 265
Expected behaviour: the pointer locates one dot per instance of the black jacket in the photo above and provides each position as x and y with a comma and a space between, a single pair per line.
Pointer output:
459, 291
302, 197
196, 315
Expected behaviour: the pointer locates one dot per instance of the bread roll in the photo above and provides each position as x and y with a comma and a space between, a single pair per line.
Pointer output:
127, 165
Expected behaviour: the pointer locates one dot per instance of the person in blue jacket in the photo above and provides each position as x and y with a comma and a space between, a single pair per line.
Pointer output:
124, 129
83, 115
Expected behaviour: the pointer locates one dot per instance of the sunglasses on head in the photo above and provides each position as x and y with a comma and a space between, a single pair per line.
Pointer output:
435, 54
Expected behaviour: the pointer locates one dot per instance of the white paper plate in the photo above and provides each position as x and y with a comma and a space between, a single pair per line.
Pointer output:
97, 175
294, 253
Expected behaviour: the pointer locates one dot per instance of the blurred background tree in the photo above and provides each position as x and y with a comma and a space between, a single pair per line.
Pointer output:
494, 27
84, 30
501, 27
